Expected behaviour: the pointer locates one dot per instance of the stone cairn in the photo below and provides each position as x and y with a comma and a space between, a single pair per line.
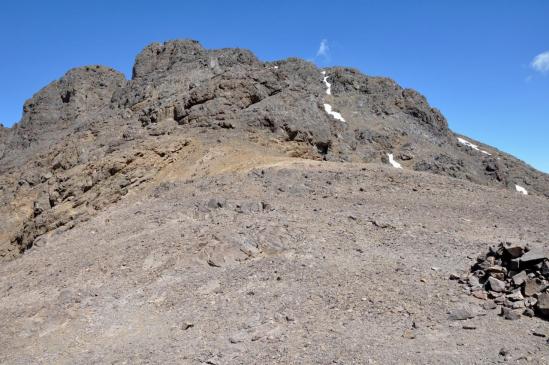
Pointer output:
512, 277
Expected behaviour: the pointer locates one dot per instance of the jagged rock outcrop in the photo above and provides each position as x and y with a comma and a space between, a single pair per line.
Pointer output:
74, 103
87, 139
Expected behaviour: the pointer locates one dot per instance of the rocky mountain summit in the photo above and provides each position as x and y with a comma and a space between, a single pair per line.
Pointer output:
217, 209
83, 139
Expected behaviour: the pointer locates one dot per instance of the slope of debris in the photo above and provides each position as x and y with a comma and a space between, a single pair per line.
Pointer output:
236, 253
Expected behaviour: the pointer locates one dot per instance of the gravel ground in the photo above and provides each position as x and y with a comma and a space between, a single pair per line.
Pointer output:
284, 261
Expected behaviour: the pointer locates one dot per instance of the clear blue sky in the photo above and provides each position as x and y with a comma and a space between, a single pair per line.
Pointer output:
472, 59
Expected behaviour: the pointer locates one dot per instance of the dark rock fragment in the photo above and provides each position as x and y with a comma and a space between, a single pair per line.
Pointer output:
542, 306
533, 286
513, 249
510, 314
496, 285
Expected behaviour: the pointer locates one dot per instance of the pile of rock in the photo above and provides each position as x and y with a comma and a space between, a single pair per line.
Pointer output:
513, 277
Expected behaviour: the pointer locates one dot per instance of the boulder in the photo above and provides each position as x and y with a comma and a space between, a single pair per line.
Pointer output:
542, 306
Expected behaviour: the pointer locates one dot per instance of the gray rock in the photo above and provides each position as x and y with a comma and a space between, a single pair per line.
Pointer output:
545, 268
480, 294
542, 306
517, 304
516, 295
489, 305
496, 269
530, 302
460, 314
474, 282
520, 278
513, 249
533, 286
510, 314
496, 285
500, 300
215, 203
534, 256
540, 332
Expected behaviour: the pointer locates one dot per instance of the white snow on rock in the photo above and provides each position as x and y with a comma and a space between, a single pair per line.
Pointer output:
473, 146
328, 85
521, 190
393, 162
336, 115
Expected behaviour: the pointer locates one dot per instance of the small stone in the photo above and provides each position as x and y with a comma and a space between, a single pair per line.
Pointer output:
454, 276
215, 203
510, 314
517, 305
543, 305
530, 302
515, 264
460, 314
496, 285
498, 275
238, 337
409, 334
503, 351
533, 256
513, 249
469, 327
496, 269
528, 312
187, 325
474, 283
515, 296
545, 268
213, 262
480, 294
520, 278
500, 300
538, 333
489, 305
533, 286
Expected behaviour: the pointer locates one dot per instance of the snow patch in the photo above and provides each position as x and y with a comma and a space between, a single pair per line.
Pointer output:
393, 162
336, 115
328, 85
473, 146
521, 190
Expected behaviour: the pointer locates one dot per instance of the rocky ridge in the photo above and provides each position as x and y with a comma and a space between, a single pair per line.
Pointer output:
87, 139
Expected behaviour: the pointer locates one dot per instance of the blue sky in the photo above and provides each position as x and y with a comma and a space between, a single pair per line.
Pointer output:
474, 60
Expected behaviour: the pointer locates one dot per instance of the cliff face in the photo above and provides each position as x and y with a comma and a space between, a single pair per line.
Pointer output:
91, 137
